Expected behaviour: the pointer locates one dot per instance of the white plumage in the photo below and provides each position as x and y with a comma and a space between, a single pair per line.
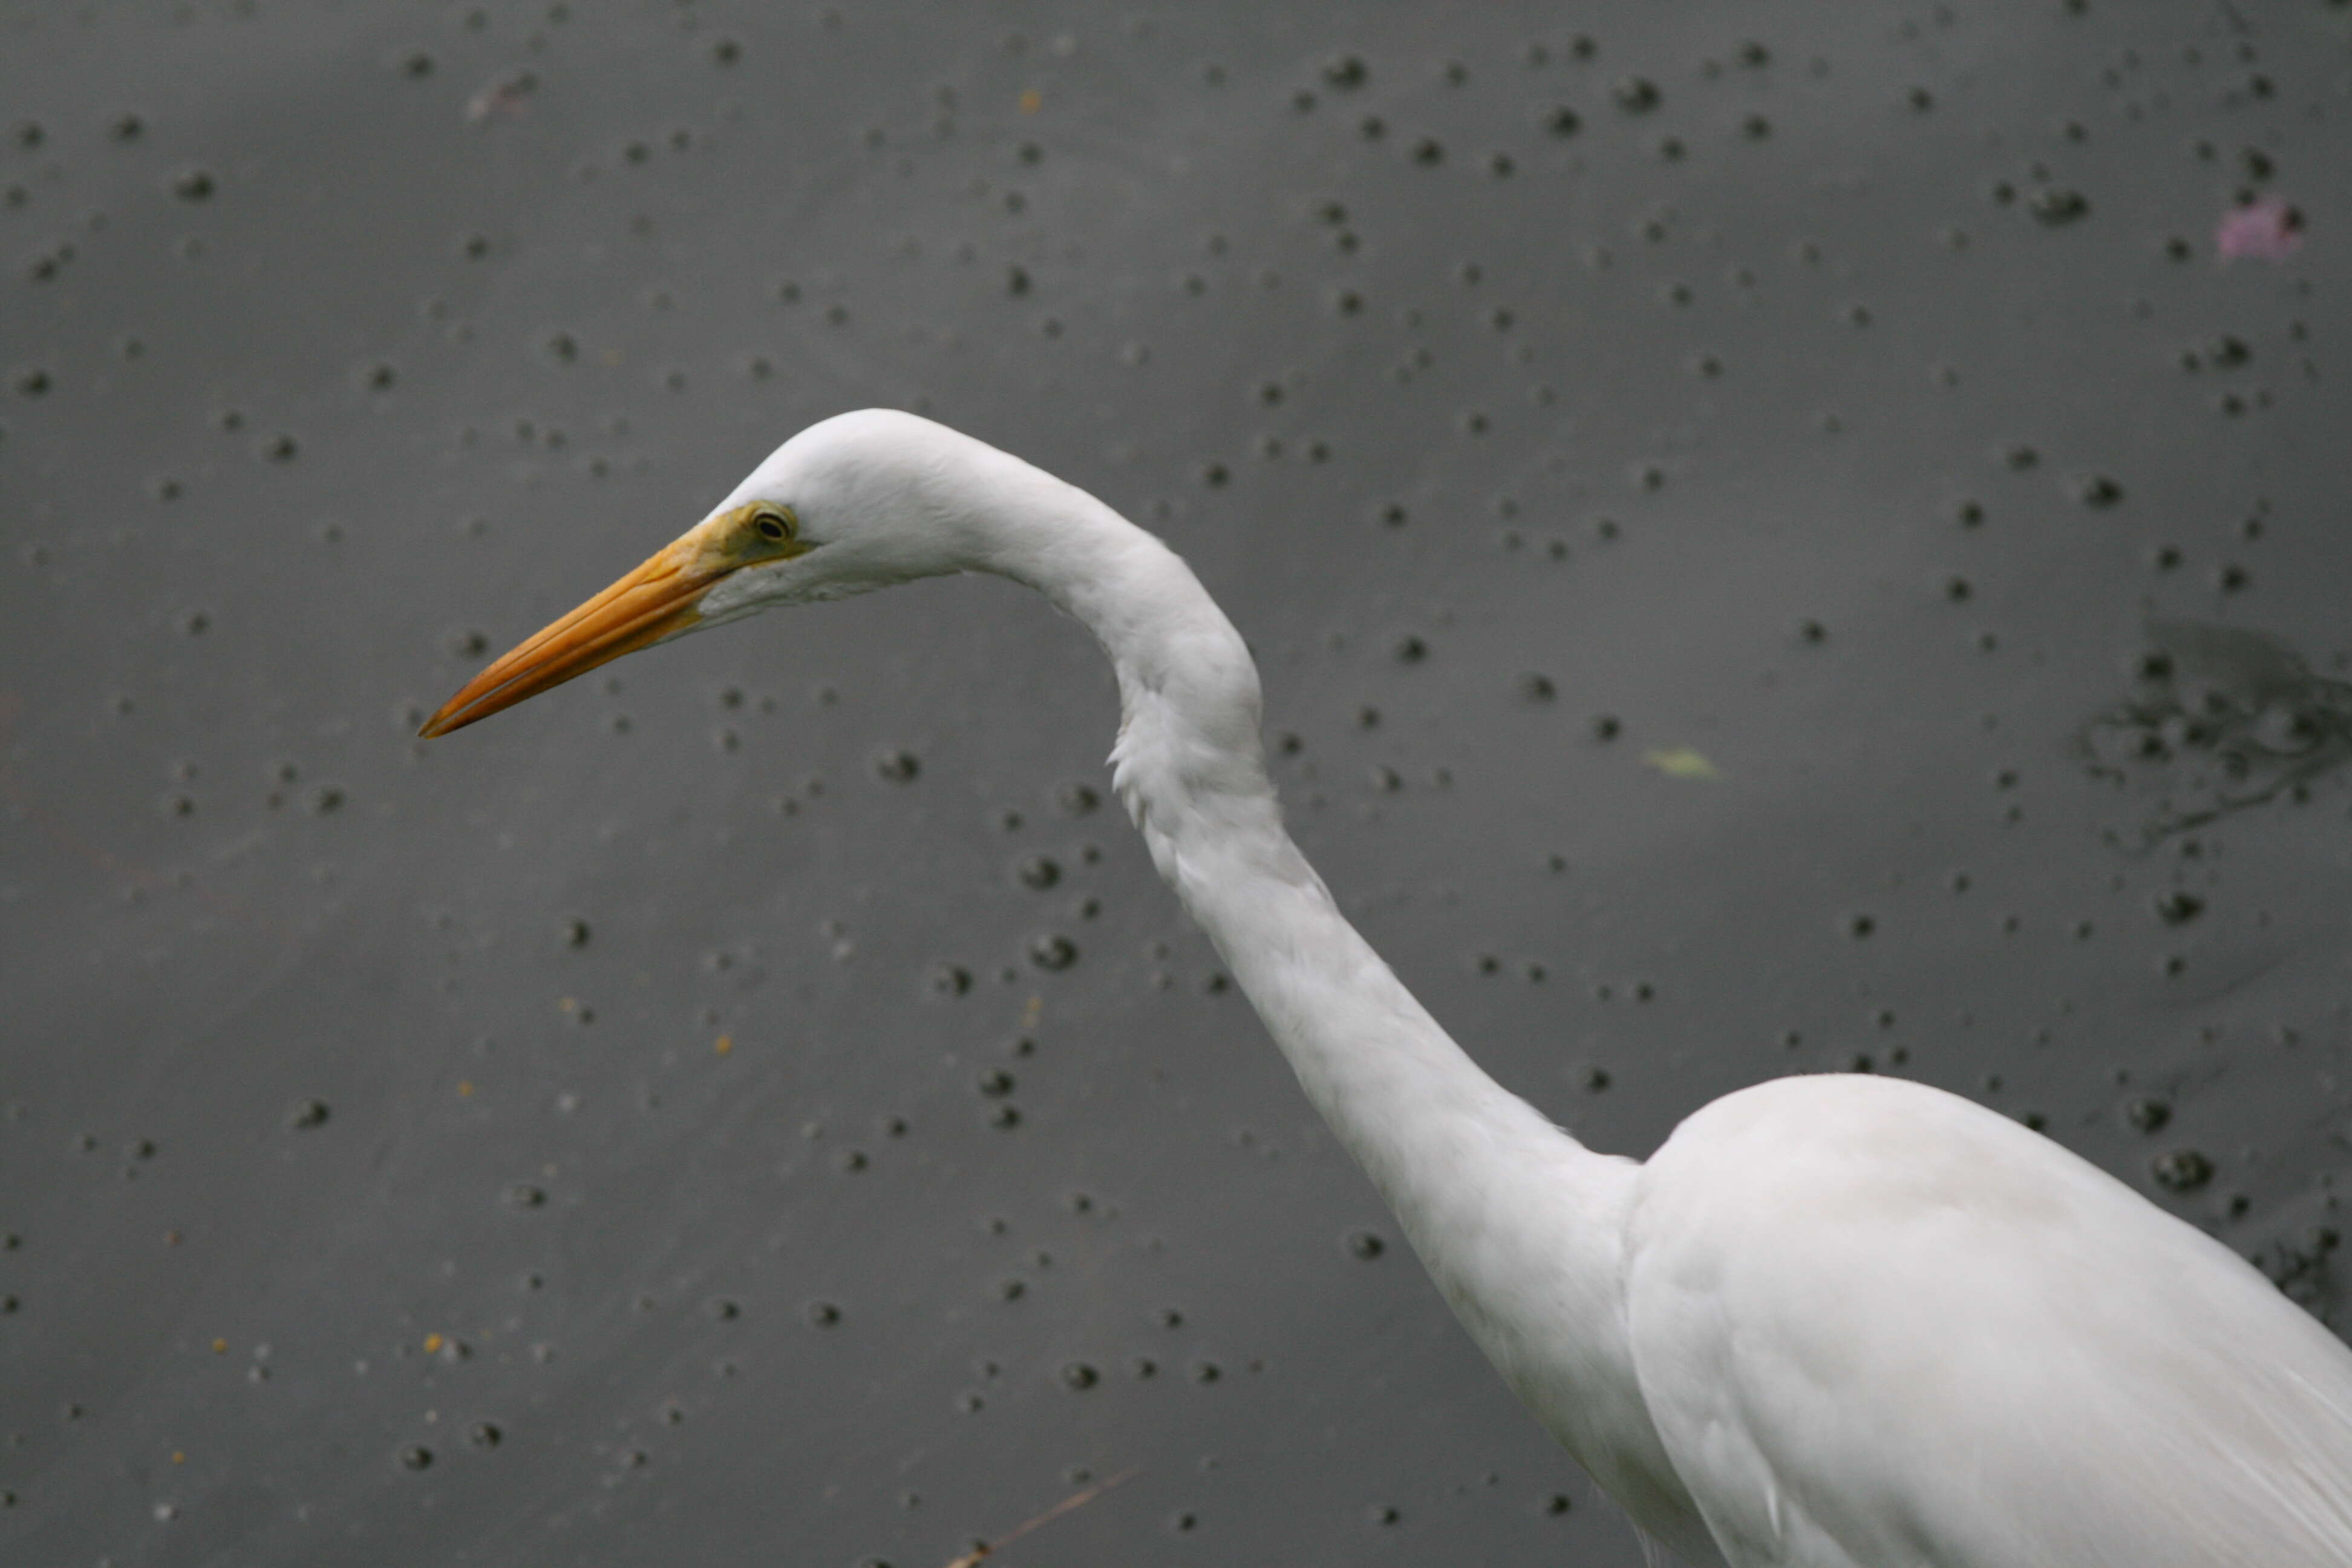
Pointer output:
1834, 1322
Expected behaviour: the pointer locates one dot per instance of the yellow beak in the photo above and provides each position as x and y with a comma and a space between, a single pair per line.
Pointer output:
657, 600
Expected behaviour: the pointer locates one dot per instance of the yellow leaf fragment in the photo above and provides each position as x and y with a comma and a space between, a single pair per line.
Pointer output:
1680, 763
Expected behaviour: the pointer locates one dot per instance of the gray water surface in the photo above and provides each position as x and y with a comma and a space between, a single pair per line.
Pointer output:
1777, 541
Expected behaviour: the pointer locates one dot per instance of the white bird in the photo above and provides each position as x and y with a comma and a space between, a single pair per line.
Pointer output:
1834, 1322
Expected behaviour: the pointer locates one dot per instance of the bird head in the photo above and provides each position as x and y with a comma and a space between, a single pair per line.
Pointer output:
857, 502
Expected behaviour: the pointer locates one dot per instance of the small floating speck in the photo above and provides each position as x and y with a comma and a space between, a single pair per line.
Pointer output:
1680, 763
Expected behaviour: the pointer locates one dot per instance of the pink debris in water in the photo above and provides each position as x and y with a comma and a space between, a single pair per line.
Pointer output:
504, 98
2267, 230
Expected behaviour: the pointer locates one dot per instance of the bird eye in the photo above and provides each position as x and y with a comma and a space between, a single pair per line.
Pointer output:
775, 527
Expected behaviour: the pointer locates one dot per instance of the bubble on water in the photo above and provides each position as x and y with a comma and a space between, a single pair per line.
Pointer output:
2181, 1170
2057, 204
1078, 1376
1363, 1243
1053, 952
821, 1314
416, 1457
304, 1114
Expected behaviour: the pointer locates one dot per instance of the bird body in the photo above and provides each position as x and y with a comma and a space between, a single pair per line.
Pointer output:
1833, 1322
1877, 1324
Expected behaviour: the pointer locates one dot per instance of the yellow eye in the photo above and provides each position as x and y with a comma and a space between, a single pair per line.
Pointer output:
775, 527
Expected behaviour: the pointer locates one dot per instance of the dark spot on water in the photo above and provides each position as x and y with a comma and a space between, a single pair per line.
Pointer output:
1635, 95
2181, 1170
2057, 204
2097, 490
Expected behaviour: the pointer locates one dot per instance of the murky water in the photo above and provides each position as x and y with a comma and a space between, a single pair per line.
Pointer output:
1776, 542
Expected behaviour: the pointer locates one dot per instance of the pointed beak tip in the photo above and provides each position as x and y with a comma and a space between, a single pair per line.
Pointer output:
654, 601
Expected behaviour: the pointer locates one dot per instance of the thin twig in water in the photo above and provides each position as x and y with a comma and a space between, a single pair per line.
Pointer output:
1067, 1505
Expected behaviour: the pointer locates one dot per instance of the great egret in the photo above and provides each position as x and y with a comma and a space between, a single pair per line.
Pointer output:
1833, 1321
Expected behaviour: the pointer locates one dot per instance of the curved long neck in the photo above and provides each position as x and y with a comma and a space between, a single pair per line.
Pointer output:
1485, 1188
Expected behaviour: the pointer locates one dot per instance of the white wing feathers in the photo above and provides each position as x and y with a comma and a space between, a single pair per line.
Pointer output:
1876, 1324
